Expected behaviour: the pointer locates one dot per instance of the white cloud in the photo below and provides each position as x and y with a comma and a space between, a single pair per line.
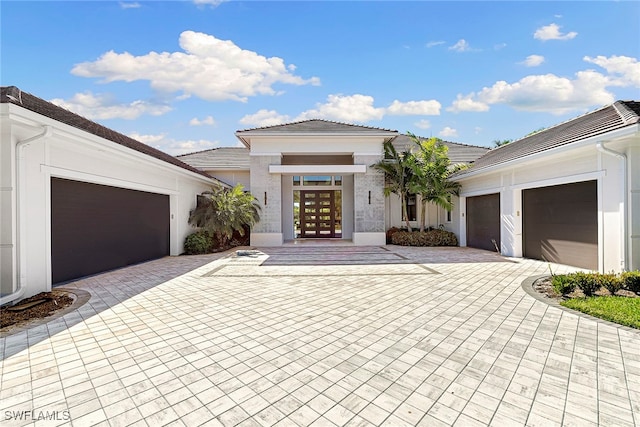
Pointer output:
173, 146
212, 3
555, 94
552, 32
533, 60
345, 108
477, 130
104, 107
207, 121
448, 132
467, 104
264, 118
548, 93
461, 46
435, 43
422, 124
627, 69
414, 108
130, 5
209, 68
148, 139
499, 46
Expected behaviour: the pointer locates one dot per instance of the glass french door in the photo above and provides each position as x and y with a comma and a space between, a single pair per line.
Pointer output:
318, 214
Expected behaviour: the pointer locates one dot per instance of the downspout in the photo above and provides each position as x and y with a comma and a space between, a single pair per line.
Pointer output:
19, 291
625, 199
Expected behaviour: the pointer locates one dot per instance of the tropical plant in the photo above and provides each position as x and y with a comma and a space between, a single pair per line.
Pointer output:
221, 211
398, 174
431, 175
501, 142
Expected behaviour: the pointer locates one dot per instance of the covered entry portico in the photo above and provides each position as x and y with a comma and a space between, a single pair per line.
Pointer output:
314, 179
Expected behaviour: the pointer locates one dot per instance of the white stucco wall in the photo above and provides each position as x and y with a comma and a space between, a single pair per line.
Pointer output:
232, 177
435, 216
579, 162
72, 154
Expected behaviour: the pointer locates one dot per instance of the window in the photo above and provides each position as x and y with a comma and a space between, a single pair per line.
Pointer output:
316, 180
411, 207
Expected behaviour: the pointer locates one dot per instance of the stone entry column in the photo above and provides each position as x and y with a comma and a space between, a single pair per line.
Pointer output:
368, 203
267, 188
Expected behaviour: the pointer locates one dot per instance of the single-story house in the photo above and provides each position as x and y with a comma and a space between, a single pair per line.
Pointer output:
78, 198
568, 194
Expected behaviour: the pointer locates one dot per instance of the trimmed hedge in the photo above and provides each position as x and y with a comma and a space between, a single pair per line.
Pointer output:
562, 284
424, 238
590, 283
201, 242
198, 243
631, 281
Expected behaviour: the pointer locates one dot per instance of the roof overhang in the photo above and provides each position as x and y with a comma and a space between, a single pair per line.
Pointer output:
611, 136
246, 139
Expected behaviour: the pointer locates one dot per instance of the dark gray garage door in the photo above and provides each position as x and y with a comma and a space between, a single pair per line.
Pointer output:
96, 228
483, 221
560, 224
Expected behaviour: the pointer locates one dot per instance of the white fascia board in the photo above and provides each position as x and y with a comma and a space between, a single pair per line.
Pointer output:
317, 169
320, 134
28, 117
246, 139
605, 137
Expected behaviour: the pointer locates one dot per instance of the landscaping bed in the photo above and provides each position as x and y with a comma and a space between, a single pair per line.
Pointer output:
31, 308
611, 297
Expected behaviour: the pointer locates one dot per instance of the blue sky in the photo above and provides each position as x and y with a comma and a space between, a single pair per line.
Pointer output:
183, 76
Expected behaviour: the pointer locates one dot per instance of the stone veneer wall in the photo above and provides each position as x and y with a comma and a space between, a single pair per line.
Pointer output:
262, 181
369, 217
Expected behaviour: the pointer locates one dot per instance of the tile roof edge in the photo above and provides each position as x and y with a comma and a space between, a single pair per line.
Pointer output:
14, 94
450, 142
313, 120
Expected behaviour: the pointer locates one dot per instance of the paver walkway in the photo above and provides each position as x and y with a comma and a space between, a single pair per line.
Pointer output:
299, 336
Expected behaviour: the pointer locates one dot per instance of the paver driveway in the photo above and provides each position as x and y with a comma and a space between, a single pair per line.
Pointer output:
322, 336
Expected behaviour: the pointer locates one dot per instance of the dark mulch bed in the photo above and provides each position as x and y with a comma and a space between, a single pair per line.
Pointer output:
53, 301
543, 286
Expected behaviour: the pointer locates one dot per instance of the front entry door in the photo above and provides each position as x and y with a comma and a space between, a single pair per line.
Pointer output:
317, 213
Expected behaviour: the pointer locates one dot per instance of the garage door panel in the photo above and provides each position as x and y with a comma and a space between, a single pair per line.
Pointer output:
95, 228
483, 221
560, 224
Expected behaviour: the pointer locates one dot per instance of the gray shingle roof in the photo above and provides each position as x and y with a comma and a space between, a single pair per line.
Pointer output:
606, 119
13, 95
315, 126
223, 158
458, 153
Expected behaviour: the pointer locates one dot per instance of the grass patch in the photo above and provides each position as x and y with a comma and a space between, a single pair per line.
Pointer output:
622, 310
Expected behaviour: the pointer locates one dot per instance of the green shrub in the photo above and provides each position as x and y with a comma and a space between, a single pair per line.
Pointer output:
198, 243
631, 281
563, 284
587, 282
610, 282
425, 238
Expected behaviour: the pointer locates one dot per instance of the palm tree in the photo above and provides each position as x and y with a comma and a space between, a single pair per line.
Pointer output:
398, 171
432, 170
221, 211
